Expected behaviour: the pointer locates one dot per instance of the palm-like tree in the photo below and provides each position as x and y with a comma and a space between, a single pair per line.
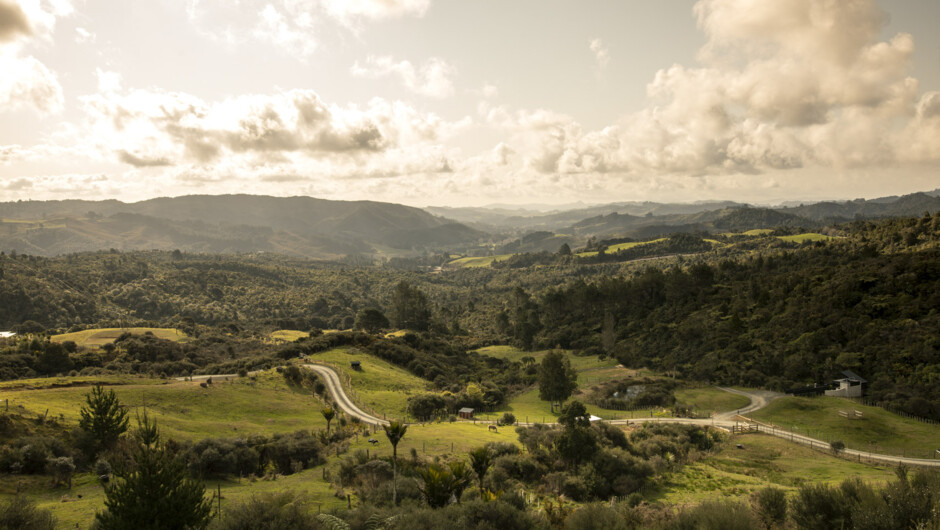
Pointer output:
480, 460
328, 414
395, 431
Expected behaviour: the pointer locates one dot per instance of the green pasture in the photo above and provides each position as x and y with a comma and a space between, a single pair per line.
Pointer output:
98, 337
185, 410
800, 238
762, 461
877, 430
709, 399
76, 508
480, 261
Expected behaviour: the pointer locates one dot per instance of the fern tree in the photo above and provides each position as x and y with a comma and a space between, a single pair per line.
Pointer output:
395, 431
480, 460
328, 415
157, 492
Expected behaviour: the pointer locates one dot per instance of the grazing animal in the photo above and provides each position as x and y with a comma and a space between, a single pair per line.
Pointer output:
493, 428
373, 441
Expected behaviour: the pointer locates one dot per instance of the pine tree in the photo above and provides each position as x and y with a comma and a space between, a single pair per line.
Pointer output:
103, 417
157, 493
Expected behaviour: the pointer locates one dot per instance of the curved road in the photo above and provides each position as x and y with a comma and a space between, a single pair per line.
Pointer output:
332, 381
759, 399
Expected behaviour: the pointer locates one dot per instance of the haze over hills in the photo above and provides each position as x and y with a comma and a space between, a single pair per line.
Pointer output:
302, 226
320, 228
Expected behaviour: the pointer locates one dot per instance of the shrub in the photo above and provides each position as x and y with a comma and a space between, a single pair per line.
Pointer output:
21, 513
507, 419
716, 515
770, 505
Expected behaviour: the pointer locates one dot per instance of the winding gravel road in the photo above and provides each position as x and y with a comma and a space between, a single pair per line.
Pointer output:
333, 384
759, 399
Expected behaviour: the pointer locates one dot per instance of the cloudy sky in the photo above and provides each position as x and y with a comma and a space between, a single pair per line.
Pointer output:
448, 102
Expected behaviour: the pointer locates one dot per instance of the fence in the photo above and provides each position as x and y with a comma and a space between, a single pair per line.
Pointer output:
821, 441
894, 410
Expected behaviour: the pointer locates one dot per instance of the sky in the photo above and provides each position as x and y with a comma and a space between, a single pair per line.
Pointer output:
469, 103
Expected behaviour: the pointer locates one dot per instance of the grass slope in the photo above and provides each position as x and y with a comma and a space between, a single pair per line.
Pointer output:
185, 410
709, 399
819, 417
98, 337
763, 461
481, 261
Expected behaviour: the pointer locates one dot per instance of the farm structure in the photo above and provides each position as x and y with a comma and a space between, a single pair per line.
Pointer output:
851, 385
465, 413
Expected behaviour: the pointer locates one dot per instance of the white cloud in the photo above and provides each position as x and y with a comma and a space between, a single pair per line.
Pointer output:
26, 82
346, 10
601, 53
147, 128
785, 84
434, 78
82, 36
291, 32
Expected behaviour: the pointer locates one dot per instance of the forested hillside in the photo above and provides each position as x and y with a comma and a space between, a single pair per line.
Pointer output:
750, 310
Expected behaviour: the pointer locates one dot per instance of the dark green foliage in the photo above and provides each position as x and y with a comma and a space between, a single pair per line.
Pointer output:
474, 515
157, 493
557, 379
103, 417
19, 513
371, 320
409, 308
268, 512
507, 419
426, 406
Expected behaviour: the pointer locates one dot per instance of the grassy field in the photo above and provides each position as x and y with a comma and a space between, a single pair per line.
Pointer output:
78, 381
185, 410
76, 508
380, 387
800, 238
757, 232
763, 461
481, 261
819, 417
592, 371
708, 399
293, 335
98, 337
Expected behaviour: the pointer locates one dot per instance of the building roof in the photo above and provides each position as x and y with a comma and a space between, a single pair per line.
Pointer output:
466, 410
6, 334
849, 374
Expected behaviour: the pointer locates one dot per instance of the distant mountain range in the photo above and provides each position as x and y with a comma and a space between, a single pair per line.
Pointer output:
300, 226
319, 228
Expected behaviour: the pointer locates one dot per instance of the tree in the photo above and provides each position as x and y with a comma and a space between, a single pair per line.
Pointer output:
157, 492
573, 415
564, 250
62, 468
480, 460
395, 431
103, 417
557, 379
328, 415
371, 320
409, 308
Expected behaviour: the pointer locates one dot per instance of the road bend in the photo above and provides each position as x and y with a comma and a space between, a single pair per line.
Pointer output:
335, 386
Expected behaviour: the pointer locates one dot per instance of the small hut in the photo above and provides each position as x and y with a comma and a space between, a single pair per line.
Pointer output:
465, 413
